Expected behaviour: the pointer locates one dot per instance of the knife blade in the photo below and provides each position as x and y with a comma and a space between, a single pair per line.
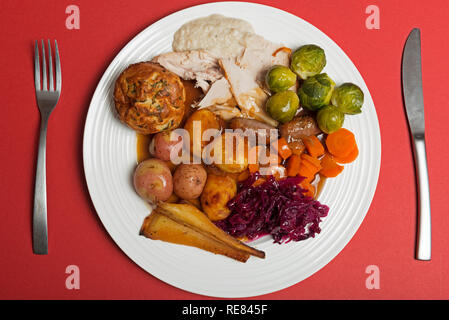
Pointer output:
412, 82
414, 105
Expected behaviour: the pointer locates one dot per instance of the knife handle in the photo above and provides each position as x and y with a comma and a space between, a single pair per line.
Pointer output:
424, 234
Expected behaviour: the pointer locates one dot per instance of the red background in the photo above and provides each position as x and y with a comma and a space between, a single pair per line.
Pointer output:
76, 235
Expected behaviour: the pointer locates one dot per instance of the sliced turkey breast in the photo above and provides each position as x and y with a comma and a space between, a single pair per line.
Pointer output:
218, 93
246, 91
199, 65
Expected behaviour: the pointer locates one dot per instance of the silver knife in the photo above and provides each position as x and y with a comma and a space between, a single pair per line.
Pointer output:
414, 105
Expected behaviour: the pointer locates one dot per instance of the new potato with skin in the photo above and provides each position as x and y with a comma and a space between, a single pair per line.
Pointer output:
189, 181
164, 145
153, 180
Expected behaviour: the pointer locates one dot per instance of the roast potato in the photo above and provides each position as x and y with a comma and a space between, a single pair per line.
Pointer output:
153, 180
197, 124
189, 181
232, 154
216, 194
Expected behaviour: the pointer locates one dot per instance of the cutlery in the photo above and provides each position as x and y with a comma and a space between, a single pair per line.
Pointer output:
414, 105
47, 96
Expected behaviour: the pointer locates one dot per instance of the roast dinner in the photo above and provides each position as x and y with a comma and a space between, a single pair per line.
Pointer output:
236, 137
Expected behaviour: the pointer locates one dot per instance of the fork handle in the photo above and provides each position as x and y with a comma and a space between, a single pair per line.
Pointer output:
424, 234
40, 237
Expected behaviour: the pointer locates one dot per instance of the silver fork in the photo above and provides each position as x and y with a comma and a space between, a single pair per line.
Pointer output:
47, 96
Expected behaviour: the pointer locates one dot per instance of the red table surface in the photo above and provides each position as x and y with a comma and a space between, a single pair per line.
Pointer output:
386, 237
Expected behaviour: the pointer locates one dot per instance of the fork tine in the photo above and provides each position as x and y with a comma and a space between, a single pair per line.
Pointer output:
37, 73
50, 67
58, 68
44, 68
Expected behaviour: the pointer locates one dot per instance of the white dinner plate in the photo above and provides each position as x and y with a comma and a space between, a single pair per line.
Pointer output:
110, 159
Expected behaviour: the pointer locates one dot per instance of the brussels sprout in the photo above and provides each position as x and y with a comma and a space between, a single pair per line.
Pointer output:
316, 91
330, 119
308, 61
348, 98
280, 78
282, 106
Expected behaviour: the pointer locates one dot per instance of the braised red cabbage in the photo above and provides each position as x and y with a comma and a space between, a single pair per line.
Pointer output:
274, 207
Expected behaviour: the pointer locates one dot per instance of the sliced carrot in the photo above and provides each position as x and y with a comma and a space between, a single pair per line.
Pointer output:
258, 182
285, 49
314, 170
253, 168
350, 157
315, 161
313, 146
258, 157
273, 158
311, 191
279, 172
309, 179
305, 172
244, 175
268, 159
282, 148
340, 143
253, 159
309, 187
330, 168
297, 147
293, 164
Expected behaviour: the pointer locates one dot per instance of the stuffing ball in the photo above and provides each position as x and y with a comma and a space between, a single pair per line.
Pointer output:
148, 98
